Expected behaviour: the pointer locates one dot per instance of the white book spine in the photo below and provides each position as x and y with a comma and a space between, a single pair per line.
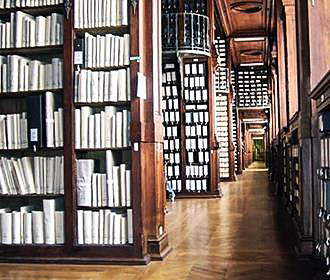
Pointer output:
49, 220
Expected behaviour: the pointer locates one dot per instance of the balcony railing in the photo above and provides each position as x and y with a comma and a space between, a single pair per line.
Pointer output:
186, 33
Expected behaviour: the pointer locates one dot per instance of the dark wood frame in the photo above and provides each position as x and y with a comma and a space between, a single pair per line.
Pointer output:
148, 196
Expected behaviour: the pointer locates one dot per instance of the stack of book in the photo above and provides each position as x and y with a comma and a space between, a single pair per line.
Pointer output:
13, 131
32, 175
111, 189
105, 129
19, 74
105, 227
100, 13
101, 86
28, 226
9, 4
25, 30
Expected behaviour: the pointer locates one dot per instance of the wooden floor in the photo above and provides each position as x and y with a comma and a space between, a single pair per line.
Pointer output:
236, 237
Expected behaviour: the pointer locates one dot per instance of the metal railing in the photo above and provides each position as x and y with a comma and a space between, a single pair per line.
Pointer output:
186, 33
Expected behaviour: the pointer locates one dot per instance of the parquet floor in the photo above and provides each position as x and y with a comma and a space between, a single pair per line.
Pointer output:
237, 237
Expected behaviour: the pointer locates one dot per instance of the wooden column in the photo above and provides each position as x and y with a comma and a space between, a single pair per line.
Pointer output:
283, 120
147, 134
305, 246
291, 47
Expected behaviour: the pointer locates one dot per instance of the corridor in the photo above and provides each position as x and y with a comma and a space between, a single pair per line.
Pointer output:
236, 237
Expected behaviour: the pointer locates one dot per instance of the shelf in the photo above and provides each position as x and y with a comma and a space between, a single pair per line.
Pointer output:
35, 10
116, 30
103, 104
20, 94
31, 196
52, 50
103, 149
103, 207
106, 68
31, 150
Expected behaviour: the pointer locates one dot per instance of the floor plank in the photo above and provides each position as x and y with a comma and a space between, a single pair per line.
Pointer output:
236, 237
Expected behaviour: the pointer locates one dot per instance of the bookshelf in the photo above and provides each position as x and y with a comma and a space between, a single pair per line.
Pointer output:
189, 140
32, 132
252, 88
98, 156
323, 175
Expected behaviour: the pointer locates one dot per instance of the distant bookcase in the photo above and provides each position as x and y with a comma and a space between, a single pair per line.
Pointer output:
74, 155
323, 175
172, 124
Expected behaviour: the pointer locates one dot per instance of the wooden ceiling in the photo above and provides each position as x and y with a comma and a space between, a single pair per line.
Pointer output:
249, 25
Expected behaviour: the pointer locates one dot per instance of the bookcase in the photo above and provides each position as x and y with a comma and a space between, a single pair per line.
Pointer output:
188, 102
171, 92
252, 88
81, 133
234, 120
222, 116
323, 175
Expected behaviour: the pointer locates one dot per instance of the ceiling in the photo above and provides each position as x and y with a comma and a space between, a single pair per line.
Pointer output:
249, 25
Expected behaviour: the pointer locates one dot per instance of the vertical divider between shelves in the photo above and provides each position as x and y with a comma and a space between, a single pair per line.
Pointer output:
69, 147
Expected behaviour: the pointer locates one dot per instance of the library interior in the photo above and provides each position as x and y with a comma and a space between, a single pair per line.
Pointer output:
165, 139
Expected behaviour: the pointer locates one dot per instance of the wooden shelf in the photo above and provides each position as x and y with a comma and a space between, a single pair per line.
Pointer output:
40, 10
42, 196
20, 94
116, 30
103, 104
103, 149
26, 51
106, 68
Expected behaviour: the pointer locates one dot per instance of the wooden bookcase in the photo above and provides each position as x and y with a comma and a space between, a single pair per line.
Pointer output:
146, 150
321, 96
186, 36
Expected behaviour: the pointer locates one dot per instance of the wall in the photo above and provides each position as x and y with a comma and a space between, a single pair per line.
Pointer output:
319, 39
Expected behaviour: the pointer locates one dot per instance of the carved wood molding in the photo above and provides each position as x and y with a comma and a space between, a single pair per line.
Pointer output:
322, 87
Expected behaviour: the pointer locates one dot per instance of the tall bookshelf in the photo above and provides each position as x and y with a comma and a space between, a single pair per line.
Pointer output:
103, 192
323, 175
186, 49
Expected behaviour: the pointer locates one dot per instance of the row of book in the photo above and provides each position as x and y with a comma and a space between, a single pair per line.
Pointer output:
197, 171
19, 74
196, 185
173, 170
197, 117
171, 116
45, 120
170, 104
197, 130
111, 189
29, 226
197, 144
25, 30
105, 51
10, 4
197, 95
194, 82
325, 152
170, 131
105, 129
169, 76
174, 158
194, 69
169, 91
172, 145
175, 184
13, 131
198, 157
100, 13
32, 175
104, 227
100, 86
